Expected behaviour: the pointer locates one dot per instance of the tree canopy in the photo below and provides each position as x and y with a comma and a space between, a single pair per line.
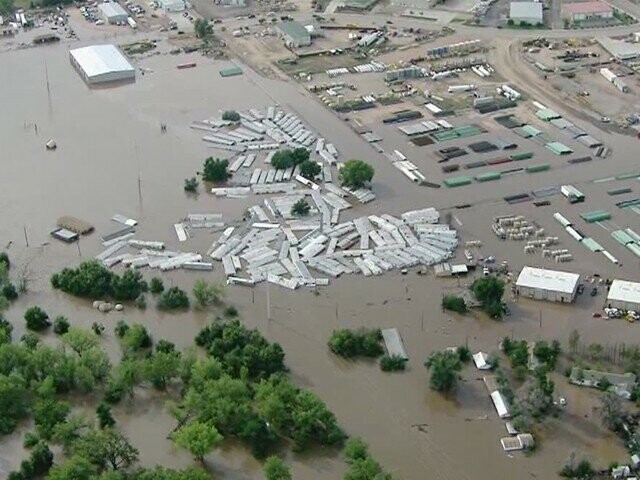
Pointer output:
489, 290
356, 343
284, 159
275, 469
356, 173
216, 170
197, 437
300, 208
173, 299
203, 28
310, 169
92, 280
444, 368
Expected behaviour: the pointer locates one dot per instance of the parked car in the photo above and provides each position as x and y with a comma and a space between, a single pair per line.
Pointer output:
594, 291
580, 290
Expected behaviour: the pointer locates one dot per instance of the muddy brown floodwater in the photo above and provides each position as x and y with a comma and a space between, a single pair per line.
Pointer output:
109, 138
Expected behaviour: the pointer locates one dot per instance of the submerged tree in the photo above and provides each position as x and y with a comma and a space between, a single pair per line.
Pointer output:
356, 173
216, 170
300, 208
444, 368
197, 437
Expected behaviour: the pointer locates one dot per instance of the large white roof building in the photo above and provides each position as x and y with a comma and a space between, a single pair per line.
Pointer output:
551, 285
101, 63
624, 294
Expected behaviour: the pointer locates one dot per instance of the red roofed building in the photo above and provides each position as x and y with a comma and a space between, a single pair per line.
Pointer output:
581, 11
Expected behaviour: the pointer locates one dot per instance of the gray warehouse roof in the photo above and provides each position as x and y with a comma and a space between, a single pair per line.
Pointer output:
294, 30
98, 60
112, 9
525, 10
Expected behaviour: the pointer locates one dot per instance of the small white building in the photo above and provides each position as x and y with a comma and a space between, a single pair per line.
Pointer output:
528, 12
551, 285
98, 64
172, 5
112, 12
624, 295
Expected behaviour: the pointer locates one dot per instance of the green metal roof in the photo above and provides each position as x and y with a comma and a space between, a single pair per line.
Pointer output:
533, 131
621, 237
592, 245
547, 114
294, 30
595, 216
558, 148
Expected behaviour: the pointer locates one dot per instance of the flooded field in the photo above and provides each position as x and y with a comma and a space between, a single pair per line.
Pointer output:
109, 144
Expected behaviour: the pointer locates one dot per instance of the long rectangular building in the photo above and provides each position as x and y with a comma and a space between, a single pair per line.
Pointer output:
551, 285
98, 64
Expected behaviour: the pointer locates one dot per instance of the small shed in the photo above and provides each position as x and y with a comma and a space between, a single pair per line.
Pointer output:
480, 360
551, 285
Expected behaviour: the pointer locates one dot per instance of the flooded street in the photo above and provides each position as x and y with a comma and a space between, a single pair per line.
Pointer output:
109, 142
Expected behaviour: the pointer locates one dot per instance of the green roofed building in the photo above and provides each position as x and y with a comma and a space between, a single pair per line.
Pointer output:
294, 34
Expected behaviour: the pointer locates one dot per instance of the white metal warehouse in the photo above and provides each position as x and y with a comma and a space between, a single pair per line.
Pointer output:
101, 64
624, 295
551, 285
112, 12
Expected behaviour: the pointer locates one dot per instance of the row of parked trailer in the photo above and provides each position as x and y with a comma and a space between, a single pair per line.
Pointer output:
257, 130
578, 236
286, 251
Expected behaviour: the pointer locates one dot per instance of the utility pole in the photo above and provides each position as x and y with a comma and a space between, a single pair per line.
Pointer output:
26, 239
268, 302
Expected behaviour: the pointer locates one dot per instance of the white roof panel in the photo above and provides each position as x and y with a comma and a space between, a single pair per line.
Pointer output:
624, 291
98, 60
552, 280
525, 10
112, 9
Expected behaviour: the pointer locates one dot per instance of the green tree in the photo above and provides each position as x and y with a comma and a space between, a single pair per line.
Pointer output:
121, 328
106, 448
41, 458
349, 343
612, 412
4, 256
14, 401
129, 286
173, 299
444, 368
356, 173
231, 116
310, 169
275, 469
202, 28
60, 325
300, 208
160, 368
105, 419
207, 294
37, 319
9, 291
80, 340
47, 413
191, 185
156, 286
355, 449
135, 339
216, 170
454, 303
76, 468
489, 290
197, 437
392, 363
